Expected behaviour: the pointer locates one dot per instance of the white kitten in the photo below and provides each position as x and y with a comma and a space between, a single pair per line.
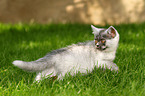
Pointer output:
81, 57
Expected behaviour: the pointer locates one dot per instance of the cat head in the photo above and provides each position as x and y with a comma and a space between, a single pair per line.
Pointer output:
105, 39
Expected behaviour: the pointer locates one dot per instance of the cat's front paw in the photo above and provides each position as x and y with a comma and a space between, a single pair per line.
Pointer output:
114, 68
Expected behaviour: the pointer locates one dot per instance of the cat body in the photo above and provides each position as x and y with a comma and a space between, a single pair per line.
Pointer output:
81, 57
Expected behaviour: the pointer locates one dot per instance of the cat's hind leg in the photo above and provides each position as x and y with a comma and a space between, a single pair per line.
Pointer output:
45, 74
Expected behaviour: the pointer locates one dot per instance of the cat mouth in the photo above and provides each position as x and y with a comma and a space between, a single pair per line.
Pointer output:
101, 47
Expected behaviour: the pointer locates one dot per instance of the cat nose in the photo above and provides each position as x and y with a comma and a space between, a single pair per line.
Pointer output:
97, 45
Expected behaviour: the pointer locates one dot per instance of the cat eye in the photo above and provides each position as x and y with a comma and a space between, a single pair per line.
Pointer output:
96, 41
103, 41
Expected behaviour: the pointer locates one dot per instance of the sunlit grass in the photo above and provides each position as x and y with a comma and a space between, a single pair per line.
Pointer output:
31, 41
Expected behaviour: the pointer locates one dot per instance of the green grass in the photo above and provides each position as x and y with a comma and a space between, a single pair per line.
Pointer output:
31, 41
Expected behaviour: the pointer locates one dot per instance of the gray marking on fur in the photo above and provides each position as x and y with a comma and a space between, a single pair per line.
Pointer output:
58, 51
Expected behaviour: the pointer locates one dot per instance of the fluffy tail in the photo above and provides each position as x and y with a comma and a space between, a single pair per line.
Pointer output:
33, 66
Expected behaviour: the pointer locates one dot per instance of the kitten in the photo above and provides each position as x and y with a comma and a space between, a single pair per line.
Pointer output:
81, 57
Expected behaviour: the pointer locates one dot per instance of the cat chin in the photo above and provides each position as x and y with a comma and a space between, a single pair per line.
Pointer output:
102, 48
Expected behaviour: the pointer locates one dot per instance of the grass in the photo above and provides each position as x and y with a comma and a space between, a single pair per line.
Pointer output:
31, 41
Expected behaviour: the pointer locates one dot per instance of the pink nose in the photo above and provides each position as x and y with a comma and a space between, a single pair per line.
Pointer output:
97, 46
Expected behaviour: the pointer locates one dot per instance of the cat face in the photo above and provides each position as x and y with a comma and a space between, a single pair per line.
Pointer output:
105, 38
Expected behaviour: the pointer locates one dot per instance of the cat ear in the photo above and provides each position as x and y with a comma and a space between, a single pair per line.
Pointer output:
112, 31
95, 30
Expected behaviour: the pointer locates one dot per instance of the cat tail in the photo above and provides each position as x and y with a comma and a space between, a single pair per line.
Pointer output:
33, 66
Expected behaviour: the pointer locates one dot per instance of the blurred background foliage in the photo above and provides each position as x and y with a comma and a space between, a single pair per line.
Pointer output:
99, 12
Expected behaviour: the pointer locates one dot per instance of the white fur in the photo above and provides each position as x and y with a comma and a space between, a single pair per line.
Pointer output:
76, 58
18, 63
96, 30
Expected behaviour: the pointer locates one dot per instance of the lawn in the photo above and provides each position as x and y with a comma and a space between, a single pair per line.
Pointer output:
31, 41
